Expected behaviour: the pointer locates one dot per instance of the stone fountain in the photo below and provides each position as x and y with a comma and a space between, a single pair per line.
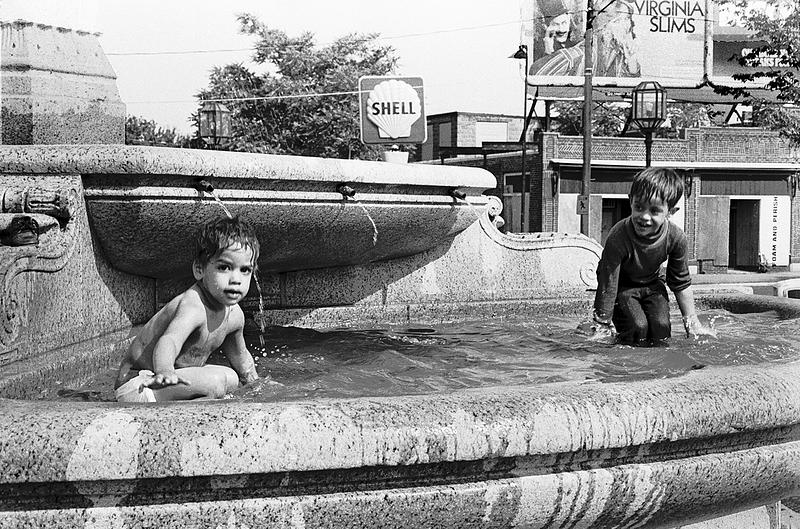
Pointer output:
412, 244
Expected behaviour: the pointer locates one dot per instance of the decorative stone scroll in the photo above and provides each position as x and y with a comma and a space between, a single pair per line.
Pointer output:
53, 209
59, 203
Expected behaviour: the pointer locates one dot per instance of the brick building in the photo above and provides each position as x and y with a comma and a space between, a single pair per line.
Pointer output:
740, 204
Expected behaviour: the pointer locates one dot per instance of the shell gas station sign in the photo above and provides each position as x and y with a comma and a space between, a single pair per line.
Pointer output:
392, 110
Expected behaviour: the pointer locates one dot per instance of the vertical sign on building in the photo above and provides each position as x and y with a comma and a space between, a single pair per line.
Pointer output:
392, 110
775, 213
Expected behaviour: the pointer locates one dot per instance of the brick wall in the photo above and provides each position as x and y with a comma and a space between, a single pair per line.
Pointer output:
623, 149
741, 145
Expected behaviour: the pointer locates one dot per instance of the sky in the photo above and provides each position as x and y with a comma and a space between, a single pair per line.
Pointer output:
460, 48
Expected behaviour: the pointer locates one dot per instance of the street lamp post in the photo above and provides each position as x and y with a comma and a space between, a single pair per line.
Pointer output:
648, 111
588, 70
522, 53
215, 123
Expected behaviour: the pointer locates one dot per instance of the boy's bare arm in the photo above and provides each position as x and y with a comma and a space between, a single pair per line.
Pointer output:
240, 358
691, 323
188, 317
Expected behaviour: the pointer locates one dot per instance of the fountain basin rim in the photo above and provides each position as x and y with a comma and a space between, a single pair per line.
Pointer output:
139, 160
258, 195
229, 437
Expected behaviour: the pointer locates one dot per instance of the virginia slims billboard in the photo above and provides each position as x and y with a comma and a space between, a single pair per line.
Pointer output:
662, 40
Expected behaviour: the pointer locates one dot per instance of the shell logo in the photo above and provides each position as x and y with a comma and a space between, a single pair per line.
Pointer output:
394, 108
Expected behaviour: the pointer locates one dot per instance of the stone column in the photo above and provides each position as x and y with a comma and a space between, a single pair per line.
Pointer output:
57, 87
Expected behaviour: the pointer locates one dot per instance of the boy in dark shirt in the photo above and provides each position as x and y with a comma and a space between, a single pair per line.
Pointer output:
631, 293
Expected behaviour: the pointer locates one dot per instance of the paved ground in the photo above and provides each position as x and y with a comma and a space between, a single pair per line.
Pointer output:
783, 284
737, 276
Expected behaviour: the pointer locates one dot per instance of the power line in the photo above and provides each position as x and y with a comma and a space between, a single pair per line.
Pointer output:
543, 18
394, 37
184, 52
261, 98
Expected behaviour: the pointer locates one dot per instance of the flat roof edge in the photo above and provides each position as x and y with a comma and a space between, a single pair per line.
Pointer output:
779, 166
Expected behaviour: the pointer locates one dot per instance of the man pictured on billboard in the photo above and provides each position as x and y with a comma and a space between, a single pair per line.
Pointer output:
557, 27
615, 53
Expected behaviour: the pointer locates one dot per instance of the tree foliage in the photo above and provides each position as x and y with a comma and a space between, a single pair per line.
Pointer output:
682, 116
776, 26
305, 102
607, 120
142, 131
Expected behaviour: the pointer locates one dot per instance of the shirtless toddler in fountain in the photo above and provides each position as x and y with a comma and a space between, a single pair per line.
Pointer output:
167, 360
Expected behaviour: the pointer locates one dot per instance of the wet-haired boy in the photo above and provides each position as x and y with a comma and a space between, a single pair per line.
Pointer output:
631, 292
167, 360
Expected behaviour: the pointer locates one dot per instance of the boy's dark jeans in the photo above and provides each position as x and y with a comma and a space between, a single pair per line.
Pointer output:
641, 314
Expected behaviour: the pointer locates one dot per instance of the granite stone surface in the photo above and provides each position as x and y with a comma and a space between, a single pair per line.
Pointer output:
57, 87
654, 453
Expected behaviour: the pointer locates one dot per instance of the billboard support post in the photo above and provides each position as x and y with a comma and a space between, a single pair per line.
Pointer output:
587, 114
522, 53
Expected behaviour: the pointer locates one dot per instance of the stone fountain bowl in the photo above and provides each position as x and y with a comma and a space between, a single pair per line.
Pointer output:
655, 453
145, 203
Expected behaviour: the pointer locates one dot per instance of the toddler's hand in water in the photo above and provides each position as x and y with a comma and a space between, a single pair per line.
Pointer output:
695, 329
162, 380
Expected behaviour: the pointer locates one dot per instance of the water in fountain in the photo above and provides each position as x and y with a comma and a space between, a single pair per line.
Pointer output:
298, 363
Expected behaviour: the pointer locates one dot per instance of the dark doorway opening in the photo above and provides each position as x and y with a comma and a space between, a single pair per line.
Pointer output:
743, 238
614, 210
512, 203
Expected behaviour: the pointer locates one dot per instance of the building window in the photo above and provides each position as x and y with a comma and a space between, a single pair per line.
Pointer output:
445, 140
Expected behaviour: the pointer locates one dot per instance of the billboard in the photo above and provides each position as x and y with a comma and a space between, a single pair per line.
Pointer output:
634, 40
732, 41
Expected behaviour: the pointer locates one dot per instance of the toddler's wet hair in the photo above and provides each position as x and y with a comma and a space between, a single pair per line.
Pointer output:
659, 182
222, 233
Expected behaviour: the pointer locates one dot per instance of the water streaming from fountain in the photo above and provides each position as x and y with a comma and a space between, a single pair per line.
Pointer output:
349, 193
260, 318
224, 208
371, 220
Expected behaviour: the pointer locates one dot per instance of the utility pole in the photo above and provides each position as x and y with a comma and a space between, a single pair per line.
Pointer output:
588, 61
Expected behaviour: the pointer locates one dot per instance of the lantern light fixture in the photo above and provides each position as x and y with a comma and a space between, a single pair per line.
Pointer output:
215, 122
648, 111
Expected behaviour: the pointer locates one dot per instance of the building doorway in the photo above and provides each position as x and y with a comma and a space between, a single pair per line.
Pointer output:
743, 234
614, 210
512, 203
